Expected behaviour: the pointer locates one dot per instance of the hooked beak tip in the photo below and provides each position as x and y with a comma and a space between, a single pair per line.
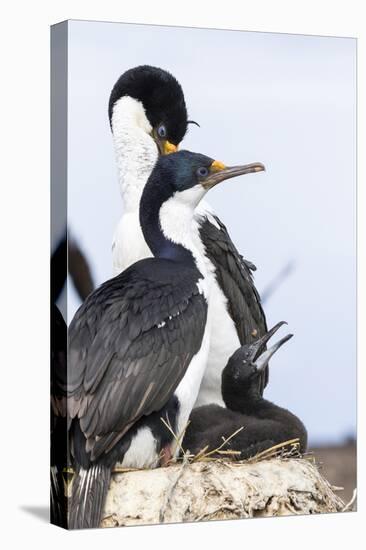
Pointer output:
220, 172
263, 360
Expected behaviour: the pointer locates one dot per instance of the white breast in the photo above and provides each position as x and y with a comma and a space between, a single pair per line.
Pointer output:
224, 338
188, 389
136, 155
223, 342
142, 453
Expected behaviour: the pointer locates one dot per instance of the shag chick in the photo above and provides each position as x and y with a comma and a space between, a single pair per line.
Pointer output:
264, 423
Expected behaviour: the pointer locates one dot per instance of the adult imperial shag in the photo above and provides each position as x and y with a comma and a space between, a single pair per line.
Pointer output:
148, 117
138, 345
262, 423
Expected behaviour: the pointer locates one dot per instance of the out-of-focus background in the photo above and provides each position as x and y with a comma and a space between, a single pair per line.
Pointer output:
288, 101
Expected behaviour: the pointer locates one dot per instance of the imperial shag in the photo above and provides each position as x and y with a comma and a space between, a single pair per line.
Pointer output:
148, 117
138, 345
264, 423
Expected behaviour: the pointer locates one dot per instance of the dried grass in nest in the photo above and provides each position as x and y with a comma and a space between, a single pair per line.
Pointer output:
285, 450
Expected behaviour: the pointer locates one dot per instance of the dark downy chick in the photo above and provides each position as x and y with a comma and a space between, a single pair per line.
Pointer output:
264, 423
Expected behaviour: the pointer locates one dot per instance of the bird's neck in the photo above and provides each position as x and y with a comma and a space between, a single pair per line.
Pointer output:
167, 228
135, 150
249, 402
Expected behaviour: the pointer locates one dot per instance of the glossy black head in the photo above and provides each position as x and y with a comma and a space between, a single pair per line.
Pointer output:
184, 177
162, 97
184, 170
173, 185
241, 378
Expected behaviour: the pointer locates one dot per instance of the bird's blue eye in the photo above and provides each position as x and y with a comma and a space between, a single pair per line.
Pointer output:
162, 131
202, 172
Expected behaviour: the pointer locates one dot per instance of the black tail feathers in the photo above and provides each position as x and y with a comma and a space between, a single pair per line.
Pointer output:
89, 491
58, 498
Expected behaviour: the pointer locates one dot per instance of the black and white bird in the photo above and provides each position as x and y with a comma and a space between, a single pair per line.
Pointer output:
138, 345
262, 424
148, 117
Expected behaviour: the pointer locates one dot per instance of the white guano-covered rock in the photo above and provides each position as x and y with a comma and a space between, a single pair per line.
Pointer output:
218, 490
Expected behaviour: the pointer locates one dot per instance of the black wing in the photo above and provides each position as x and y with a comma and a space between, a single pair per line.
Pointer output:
130, 344
234, 275
58, 416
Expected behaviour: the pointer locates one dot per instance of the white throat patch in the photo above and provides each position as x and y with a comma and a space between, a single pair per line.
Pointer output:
176, 217
136, 151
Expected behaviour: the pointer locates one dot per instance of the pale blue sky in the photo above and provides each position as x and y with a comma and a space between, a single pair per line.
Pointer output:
287, 101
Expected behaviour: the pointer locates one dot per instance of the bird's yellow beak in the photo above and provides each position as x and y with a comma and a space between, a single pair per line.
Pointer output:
169, 147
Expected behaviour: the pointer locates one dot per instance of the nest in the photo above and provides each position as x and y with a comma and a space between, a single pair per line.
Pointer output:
214, 484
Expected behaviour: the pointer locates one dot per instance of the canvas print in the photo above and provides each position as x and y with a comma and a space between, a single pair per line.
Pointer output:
203, 287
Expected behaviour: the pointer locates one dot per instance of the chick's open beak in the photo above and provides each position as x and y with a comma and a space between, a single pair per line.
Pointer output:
219, 172
264, 358
260, 356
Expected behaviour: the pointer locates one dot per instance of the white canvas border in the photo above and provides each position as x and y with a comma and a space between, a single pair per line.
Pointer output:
25, 222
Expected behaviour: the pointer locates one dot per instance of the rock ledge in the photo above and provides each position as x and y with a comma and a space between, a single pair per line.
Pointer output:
215, 490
